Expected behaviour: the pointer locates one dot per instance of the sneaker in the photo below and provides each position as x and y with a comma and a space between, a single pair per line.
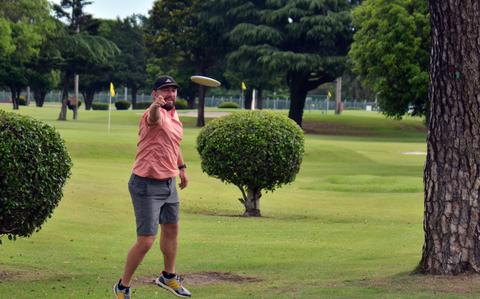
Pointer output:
121, 294
174, 285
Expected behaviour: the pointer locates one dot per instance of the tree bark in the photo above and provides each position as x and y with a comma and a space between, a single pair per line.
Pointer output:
89, 95
39, 96
15, 97
63, 109
452, 169
259, 99
134, 95
201, 106
252, 203
338, 96
298, 94
247, 104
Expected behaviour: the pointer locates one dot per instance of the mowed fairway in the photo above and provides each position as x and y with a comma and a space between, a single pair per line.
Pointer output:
350, 226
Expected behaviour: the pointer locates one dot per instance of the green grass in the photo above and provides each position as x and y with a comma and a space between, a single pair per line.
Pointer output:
350, 226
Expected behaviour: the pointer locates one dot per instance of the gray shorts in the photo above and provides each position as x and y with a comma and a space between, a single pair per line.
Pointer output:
155, 202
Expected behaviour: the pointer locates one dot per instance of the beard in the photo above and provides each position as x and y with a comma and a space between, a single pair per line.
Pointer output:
168, 106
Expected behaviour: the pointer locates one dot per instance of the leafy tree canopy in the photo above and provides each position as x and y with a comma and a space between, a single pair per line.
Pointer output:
391, 52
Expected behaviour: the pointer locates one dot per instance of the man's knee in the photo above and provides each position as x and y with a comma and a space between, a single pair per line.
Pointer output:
170, 230
145, 242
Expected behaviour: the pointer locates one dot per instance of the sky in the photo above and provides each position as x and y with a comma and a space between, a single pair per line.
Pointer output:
110, 9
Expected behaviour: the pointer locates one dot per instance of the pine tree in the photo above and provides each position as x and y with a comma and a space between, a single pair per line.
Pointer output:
305, 42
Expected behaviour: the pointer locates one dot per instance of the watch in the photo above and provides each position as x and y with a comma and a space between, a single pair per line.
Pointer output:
182, 166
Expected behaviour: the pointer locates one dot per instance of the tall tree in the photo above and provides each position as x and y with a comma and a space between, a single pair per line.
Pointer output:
452, 176
43, 74
186, 39
390, 52
305, 42
73, 12
80, 51
130, 66
26, 24
6, 42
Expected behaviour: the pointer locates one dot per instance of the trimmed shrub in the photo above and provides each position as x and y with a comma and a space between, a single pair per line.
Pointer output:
22, 101
230, 105
254, 150
181, 104
34, 166
99, 106
141, 106
122, 105
70, 106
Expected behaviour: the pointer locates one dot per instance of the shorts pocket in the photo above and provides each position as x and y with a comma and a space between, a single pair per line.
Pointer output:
159, 190
137, 185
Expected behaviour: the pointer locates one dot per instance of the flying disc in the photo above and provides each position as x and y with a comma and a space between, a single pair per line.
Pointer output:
205, 81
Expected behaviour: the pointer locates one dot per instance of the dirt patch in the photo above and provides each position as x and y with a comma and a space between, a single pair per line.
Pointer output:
10, 275
4, 275
324, 128
203, 278
460, 284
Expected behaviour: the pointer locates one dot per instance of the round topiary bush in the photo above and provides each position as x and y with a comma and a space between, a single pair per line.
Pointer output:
254, 150
72, 106
22, 101
229, 105
181, 104
141, 105
99, 106
34, 166
122, 105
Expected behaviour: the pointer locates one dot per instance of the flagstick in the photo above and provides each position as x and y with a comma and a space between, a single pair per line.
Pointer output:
109, 112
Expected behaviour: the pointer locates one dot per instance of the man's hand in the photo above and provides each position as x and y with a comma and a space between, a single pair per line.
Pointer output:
183, 179
158, 101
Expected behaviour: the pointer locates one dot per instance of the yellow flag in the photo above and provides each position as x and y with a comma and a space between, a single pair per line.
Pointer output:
329, 94
244, 87
112, 90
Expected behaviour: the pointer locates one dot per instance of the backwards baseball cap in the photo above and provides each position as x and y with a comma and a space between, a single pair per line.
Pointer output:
164, 81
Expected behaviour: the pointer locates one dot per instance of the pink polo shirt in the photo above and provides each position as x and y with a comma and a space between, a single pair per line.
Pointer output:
158, 146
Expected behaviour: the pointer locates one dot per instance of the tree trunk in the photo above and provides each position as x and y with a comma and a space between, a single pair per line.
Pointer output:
252, 203
298, 94
338, 96
39, 96
134, 95
15, 97
248, 98
190, 100
259, 99
201, 106
63, 109
75, 112
452, 169
89, 95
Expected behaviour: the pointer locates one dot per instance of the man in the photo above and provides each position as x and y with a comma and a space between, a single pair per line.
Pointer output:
152, 188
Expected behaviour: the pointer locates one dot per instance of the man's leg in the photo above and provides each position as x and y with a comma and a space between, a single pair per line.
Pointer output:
168, 245
135, 257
